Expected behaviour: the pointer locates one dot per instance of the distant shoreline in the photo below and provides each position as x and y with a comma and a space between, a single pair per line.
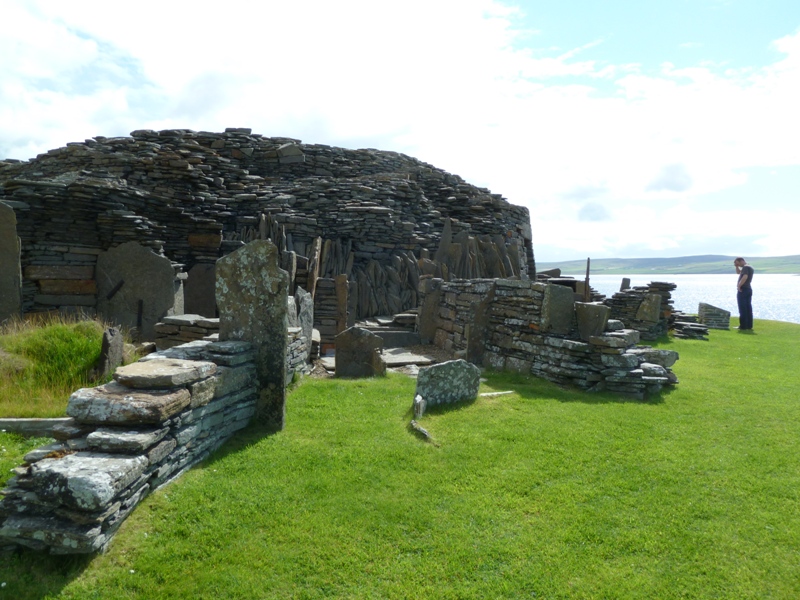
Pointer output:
684, 265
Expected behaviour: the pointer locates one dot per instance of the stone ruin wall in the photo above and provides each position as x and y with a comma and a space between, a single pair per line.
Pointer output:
126, 439
199, 195
648, 309
534, 328
161, 415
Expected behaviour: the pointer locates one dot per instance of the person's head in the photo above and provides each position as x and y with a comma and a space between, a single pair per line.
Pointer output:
739, 262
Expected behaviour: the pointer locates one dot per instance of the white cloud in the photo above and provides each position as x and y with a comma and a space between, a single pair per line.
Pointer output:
448, 82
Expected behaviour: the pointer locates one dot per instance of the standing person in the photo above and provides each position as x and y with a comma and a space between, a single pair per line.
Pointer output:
744, 294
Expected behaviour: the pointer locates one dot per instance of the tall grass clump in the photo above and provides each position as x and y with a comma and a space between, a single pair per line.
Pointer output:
42, 362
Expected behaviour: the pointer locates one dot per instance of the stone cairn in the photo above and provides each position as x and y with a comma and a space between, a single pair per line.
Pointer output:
687, 327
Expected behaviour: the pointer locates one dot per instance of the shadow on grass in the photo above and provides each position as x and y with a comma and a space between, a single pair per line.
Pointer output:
27, 573
529, 387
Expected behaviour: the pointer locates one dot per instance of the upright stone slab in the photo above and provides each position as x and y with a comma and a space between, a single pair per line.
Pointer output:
477, 332
10, 272
135, 287
713, 317
199, 291
558, 308
445, 241
292, 319
342, 289
111, 353
592, 319
428, 314
650, 308
252, 296
448, 382
358, 354
305, 314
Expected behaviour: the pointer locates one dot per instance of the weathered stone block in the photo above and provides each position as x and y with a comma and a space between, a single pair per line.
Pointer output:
125, 441
592, 319
85, 481
358, 354
164, 373
115, 403
558, 309
252, 293
448, 382
650, 308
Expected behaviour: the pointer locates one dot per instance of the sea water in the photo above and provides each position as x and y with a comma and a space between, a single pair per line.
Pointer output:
775, 297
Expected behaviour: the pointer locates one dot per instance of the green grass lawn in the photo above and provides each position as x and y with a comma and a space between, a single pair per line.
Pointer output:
543, 493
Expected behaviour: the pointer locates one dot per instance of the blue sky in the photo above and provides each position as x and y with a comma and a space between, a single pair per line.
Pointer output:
629, 129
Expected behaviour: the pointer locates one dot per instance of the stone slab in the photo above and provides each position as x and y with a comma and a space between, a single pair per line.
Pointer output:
358, 354
10, 271
113, 403
252, 294
199, 290
85, 481
558, 308
448, 382
135, 287
165, 373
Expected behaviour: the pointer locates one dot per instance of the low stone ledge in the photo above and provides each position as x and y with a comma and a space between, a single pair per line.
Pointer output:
114, 403
167, 373
33, 427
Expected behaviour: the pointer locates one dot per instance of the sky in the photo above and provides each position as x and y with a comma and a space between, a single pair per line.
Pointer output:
629, 129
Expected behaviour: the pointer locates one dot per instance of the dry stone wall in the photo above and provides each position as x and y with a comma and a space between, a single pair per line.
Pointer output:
198, 195
125, 439
183, 329
648, 309
532, 327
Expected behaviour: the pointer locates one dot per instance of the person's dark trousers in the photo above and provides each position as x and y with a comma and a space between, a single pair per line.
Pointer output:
745, 301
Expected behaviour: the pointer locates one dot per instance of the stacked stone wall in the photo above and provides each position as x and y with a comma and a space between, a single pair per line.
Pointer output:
158, 418
180, 329
532, 327
198, 194
647, 309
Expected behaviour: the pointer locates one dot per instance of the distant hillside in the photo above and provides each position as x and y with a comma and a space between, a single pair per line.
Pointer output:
705, 265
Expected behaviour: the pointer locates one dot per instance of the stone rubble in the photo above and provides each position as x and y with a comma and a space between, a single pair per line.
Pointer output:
647, 309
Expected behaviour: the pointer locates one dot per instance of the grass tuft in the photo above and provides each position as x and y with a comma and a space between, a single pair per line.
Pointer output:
43, 361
